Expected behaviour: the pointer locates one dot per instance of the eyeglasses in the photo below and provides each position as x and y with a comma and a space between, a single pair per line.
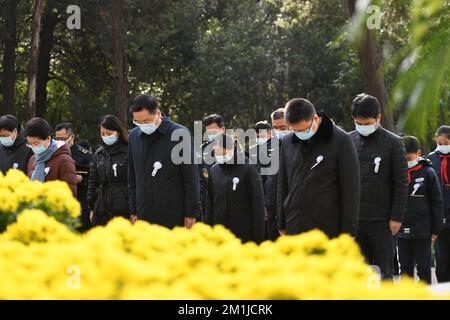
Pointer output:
33, 145
142, 122
307, 130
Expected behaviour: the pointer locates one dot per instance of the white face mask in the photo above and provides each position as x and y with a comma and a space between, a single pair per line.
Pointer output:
223, 159
147, 128
7, 141
260, 141
212, 136
366, 130
443, 149
412, 164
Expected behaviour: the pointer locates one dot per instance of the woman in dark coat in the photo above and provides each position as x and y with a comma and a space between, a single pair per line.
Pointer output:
107, 188
14, 152
235, 197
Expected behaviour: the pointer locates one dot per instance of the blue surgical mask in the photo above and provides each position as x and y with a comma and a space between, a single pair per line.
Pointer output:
412, 164
281, 134
443, 149
147, 128
306, 135
365, 130
7, 141
223, 159
110, 140
38, 149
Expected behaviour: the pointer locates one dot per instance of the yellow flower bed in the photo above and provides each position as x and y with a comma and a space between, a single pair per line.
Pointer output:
43, 259
18, 193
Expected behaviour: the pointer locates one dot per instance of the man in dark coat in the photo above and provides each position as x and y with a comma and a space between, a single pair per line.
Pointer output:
163, 189
82, 157
319, 182
440, 159
14, 152
280, 130
262, 155
424, 215
214, 125
384, 184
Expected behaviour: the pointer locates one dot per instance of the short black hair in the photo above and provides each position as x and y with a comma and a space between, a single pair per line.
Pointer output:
38, 128
365, 106
412, 144
262, 125
214, 118
9, 122
144, 101
65, 126
224, 141
443, 131
299, 109
277, 114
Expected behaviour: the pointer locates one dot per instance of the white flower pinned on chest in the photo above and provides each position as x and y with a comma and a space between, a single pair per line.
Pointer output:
15, 165
156, 166
377, 162
318, 161
235, 183
114, 167
47, 170
416, 187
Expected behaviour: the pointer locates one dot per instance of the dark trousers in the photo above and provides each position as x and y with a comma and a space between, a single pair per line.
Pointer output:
272, 232
396, 269
442, 248
377, 245
85, 212
412, 253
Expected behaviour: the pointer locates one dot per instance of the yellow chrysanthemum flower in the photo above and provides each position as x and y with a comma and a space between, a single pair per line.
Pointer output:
45, 260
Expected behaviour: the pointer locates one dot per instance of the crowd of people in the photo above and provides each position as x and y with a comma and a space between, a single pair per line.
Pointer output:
380, 188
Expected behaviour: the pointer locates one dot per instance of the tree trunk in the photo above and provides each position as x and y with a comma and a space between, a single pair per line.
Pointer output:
9, 57
49, 21
33, 65
120, 73
370, 59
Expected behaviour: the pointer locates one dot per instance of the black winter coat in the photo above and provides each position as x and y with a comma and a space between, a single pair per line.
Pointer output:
15, 156
436, 164
172, 194
107, 187
270, 181
425, 212
383, 193
206, 159
323, 196
240, 210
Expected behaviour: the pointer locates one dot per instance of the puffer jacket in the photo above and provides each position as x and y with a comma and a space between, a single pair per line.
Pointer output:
107, 187
60, 167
